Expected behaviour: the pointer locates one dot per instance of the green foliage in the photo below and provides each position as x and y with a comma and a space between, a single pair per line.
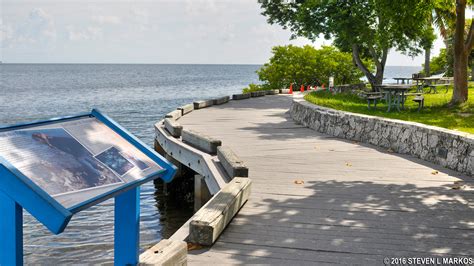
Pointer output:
439, 64
370, 27
445, 60
308, 66
254, 87
427, 38
437, 111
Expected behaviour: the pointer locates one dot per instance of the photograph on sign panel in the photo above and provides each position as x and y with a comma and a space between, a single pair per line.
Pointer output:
136, 161
113, 159
61, 164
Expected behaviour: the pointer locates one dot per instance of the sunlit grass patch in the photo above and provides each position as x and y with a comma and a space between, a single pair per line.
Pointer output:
436, 112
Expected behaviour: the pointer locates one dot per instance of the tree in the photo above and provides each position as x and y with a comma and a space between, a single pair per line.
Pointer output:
443, 17
426, 43
438, 64
462, 49
366, 28
308, 66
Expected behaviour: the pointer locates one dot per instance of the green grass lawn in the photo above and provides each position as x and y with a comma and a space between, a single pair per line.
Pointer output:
436, 111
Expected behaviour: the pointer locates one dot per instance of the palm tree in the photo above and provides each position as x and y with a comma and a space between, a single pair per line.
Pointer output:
443, 17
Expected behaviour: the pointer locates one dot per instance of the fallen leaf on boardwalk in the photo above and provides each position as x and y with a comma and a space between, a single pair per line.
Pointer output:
389, 150
331, 149
434, 172
348, 164
299, 182
192, 246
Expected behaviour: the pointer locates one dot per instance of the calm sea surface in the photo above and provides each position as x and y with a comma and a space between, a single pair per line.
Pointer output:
137, 96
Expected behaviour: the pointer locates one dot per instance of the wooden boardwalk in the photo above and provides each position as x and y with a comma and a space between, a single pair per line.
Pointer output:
318, 199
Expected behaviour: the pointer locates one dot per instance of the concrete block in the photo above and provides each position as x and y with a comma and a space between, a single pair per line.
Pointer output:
231, 162
166, 252
241, 96
221, 100
210, 221
176, 114
202, 104
173, 127
185, 109
200, 141
272, 92
258, 93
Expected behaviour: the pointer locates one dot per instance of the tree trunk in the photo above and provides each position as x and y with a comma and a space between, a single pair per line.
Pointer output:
427, 61
376, 79
460, 78
460, 56
472, 68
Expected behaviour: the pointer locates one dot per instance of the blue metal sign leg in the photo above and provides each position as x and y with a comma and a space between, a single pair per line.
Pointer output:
127, 227
11, 232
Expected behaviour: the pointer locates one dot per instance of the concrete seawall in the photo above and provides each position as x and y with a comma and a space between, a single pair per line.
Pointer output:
447, 148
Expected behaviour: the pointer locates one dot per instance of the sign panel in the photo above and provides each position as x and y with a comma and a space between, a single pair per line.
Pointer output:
75, 160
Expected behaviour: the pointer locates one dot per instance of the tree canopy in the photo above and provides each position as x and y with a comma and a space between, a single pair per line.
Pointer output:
366, 28
308, 66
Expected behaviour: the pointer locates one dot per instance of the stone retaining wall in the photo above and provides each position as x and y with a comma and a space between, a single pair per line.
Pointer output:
448, 148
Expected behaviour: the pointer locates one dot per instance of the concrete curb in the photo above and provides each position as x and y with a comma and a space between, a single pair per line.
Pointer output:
258, 93
221, 100
240, 96
209, 222
176, 114
203, 104
173, 127
166, 252
200, 141
186, 109
231, 162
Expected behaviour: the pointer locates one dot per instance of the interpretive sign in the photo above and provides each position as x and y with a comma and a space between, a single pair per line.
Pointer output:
76, 160
59, 167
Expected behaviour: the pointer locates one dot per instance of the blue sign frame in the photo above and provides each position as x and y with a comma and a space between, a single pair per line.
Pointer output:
17, 192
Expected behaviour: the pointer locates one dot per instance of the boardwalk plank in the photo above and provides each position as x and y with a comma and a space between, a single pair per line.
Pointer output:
358, 203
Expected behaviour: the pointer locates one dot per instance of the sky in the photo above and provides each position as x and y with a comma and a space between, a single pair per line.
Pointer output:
151, 32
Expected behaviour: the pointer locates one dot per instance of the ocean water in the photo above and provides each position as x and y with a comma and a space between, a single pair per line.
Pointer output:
137, 96
399, 72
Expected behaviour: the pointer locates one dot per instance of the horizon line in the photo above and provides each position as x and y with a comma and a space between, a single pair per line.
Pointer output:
68, 63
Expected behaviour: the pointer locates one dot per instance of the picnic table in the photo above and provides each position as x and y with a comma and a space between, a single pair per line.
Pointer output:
432, 83
403, 80
395, 95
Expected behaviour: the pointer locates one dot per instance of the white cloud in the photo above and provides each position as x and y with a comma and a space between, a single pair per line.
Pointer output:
38, 28
89, 33
40, 25
6, 32
197, 7
106, 19
158, 31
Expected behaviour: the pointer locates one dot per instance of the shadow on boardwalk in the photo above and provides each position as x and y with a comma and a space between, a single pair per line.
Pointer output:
284, 130
347, 222
318, 199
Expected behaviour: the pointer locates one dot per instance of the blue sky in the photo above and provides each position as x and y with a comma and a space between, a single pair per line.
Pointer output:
105, 31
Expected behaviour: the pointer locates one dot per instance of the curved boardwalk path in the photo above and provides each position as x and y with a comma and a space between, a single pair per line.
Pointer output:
358, 204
